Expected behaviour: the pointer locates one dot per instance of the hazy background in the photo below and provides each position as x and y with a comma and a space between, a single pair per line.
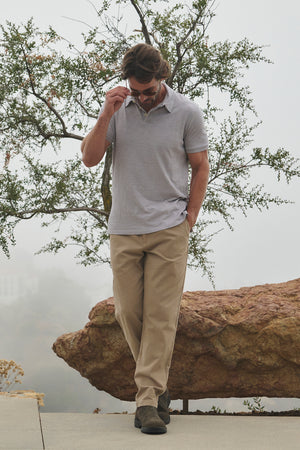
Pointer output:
44, 296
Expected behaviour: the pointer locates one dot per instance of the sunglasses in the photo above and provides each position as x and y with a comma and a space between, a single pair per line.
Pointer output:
147, 92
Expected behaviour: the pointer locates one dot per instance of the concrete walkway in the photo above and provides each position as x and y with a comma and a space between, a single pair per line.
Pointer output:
23, 428
20, 424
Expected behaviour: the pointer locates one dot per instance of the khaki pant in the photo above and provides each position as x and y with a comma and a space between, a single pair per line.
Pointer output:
148, 278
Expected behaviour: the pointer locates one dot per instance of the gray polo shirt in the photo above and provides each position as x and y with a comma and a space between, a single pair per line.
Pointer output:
150, 165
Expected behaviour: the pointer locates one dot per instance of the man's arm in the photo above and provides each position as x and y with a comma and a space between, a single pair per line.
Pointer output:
200, 171
94, 145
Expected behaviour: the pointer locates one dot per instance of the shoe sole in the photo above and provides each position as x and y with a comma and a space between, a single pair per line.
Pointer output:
149, 430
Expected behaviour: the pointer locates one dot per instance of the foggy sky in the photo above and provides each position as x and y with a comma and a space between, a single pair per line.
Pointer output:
264, 248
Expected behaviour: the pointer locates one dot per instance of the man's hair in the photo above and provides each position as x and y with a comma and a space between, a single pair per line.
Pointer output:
144, 62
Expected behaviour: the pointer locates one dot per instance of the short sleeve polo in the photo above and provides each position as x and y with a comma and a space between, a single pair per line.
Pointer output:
150, 164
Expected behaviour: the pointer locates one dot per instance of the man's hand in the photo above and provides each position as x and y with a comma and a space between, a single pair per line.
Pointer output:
114, 100
191, 218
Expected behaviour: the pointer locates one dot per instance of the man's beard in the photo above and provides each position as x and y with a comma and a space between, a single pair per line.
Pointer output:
150, 102
147, 103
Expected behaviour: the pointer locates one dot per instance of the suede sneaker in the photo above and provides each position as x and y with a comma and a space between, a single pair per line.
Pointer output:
148, 420
163, 407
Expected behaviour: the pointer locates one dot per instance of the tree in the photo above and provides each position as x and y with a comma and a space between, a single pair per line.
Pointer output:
50, 91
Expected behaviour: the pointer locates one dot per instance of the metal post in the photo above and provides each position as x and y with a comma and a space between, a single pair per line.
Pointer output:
185, 406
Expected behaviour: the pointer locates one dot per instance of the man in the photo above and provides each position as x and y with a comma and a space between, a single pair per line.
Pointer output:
155, 134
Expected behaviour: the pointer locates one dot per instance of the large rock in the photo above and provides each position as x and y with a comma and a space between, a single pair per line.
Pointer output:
231, 343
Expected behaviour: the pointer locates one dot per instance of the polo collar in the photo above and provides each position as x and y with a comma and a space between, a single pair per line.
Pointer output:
168, 100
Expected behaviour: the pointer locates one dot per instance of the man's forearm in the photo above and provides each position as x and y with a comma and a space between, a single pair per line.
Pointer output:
197, 192
93, 146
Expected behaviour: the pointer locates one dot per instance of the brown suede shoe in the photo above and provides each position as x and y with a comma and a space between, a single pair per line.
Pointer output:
163, 406
148, 420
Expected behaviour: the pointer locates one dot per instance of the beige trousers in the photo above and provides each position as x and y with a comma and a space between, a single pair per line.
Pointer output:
148, 278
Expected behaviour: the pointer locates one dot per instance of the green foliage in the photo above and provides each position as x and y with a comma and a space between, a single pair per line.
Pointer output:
256, 406
50, 90
217, 410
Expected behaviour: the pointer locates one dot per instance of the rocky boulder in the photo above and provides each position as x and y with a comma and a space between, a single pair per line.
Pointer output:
230, 343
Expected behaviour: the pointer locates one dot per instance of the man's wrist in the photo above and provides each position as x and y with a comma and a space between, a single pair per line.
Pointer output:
105, 117
192, 215
191, 218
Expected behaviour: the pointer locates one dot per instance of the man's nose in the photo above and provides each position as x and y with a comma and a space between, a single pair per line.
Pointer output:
142, 98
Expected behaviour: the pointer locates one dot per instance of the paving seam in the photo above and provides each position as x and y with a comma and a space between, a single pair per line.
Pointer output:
41, 427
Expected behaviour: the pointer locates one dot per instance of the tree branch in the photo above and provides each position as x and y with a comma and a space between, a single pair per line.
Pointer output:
33, 212
45, 135
180, 44
235, 168
30, 74
144, 27
84, 109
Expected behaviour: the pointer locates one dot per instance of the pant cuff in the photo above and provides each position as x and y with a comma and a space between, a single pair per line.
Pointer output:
146, 403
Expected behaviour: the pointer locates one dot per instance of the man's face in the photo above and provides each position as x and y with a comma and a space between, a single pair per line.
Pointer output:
147, 94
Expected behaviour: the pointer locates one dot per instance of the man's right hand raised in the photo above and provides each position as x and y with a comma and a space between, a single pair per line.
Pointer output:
114, 99
94, 145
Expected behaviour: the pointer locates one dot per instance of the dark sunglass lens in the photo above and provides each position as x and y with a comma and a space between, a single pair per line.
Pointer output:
147, 94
